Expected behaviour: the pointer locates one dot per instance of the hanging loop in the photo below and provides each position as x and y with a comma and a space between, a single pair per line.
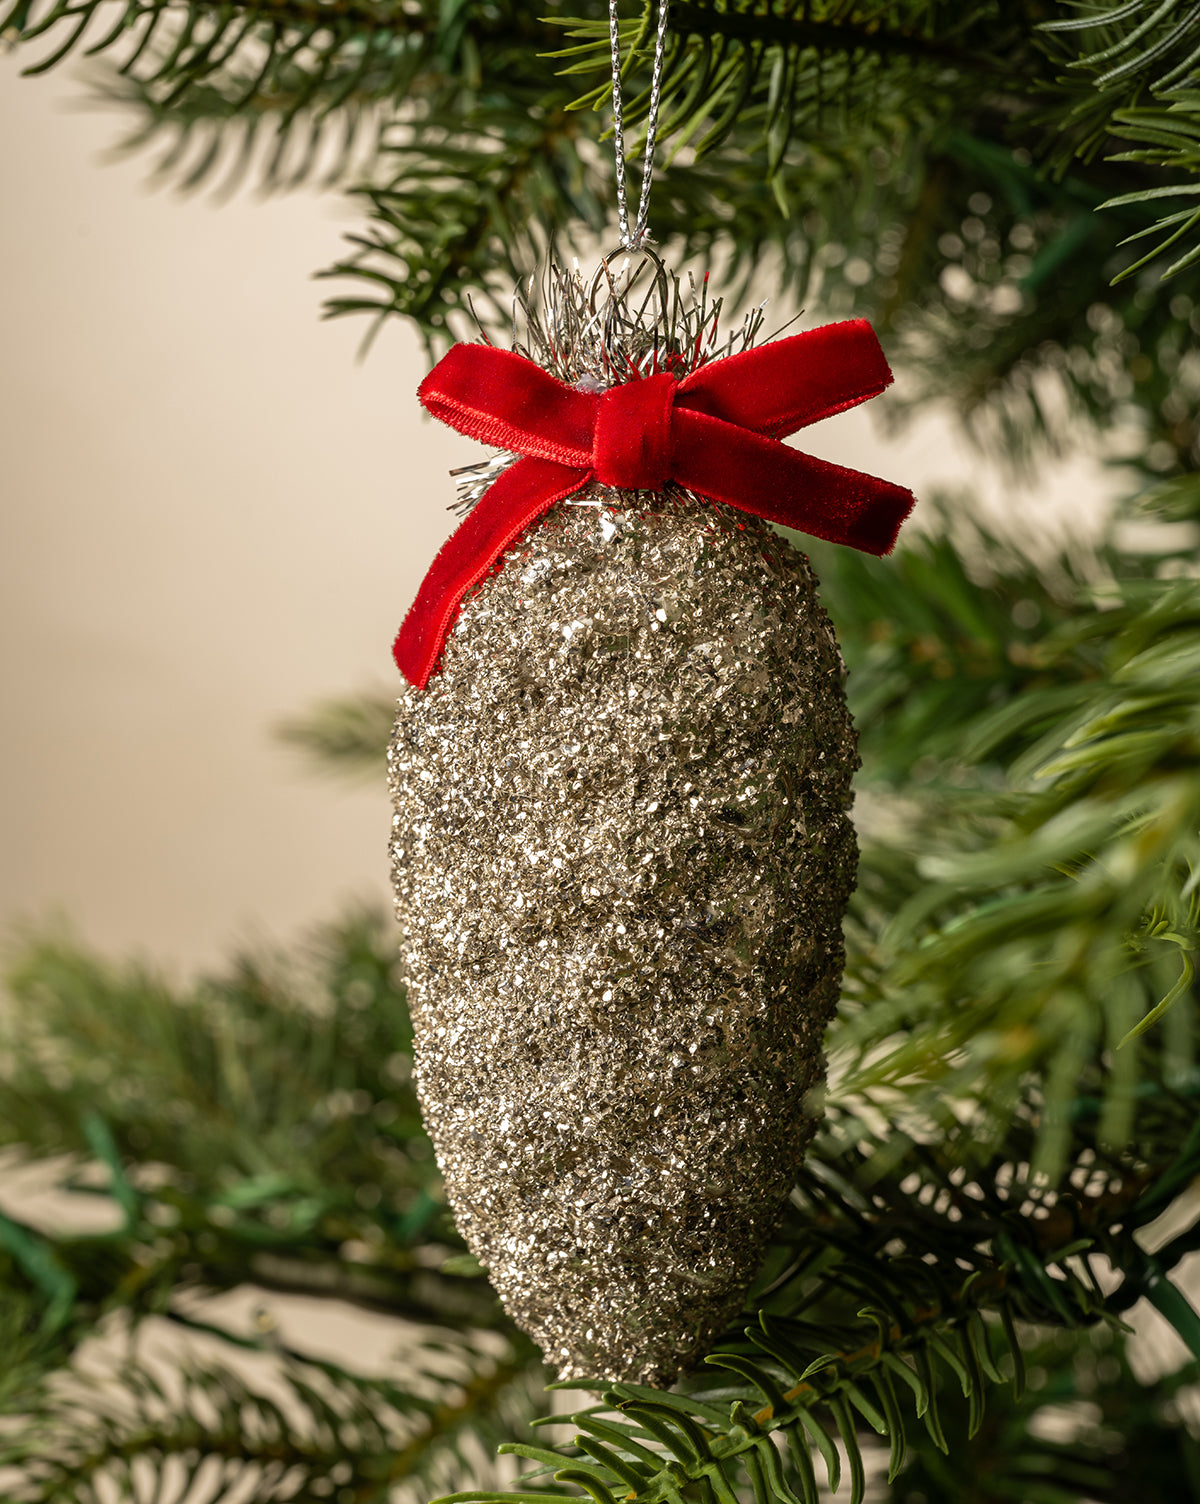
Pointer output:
603, 279
634, 241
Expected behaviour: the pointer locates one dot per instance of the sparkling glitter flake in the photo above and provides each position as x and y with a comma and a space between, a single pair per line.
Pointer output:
621, 858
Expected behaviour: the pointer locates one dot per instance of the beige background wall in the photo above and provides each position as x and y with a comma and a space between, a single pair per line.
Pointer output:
212, 515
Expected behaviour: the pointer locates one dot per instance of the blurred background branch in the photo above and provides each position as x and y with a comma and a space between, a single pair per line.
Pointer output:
1005, 1180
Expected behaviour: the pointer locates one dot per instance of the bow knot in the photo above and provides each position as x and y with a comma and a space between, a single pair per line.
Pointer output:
716, 432
632, 440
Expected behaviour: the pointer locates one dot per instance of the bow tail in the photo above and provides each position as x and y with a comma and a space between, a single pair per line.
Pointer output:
516, 498
769, 480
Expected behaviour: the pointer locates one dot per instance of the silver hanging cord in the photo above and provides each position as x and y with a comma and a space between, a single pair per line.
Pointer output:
634, 242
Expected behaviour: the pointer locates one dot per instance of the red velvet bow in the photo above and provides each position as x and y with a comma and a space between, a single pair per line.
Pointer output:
716, 432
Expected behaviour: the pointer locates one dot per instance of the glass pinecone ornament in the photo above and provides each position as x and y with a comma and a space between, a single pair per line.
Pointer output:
621, 856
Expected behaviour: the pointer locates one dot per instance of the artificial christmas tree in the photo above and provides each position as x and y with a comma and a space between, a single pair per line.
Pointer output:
1004, 1159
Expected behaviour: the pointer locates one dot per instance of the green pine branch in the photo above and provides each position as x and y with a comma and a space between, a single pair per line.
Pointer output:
1067, 921
792, 71
207, 1430
893, 1306
172, 49
345, 733
906, 1257
1130, 68
1090, 1429
260, 1127
843, 149
444, 243
283, 88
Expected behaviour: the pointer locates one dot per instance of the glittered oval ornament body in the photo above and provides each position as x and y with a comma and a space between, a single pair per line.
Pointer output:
621, 856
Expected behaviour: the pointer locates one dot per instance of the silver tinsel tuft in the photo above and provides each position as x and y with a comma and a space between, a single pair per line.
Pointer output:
621, 859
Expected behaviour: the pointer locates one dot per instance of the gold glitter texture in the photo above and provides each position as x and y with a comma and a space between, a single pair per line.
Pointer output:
621, 857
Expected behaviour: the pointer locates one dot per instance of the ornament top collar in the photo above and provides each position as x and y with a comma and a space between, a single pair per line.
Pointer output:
716, 432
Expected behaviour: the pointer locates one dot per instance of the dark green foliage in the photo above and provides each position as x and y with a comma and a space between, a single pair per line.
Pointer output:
199, 71
1131, 80
971, 176
1088, 1430
278, 1107
206, 1432
463, 210
1038, 921
1009, 190
259, 1129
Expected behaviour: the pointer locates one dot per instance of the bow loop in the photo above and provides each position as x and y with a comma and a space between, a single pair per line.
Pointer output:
506, 401
783, 386
716, 433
